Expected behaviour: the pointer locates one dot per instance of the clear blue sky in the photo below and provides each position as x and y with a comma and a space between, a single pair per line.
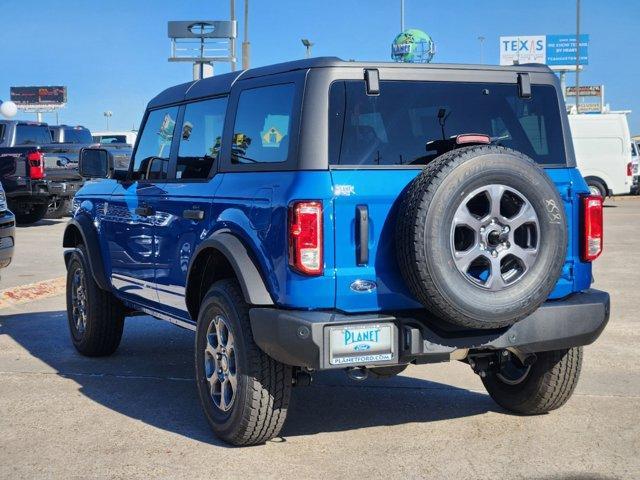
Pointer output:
113, 54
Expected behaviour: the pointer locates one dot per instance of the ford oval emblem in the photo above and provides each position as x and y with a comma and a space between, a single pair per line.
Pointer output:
363, 286
361, 347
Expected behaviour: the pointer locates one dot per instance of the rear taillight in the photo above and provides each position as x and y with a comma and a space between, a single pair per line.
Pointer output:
593, 227
305, 237
36, 165
629, 169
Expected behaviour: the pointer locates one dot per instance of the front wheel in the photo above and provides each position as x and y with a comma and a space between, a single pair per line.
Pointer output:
96, 317
538, 388
244, 393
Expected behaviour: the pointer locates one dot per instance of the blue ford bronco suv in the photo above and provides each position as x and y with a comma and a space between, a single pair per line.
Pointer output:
323, 214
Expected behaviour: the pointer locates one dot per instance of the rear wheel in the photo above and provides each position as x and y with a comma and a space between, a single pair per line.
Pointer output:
58, 208
538, 388
244, 393
31, 213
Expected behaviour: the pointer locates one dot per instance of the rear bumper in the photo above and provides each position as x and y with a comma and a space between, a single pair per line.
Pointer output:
41, 191
7, 238
300, 338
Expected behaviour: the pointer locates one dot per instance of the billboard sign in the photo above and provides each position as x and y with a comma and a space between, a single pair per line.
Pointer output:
202, 29
557, 51
35, 96
561, 50
529, 49
586, 91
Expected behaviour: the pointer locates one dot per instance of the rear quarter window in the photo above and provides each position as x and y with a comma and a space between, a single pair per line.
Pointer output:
262, 127
393, 128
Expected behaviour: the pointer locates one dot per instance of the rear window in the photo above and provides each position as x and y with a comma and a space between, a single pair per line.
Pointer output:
107, 139
32, 134
77, 135
393, 128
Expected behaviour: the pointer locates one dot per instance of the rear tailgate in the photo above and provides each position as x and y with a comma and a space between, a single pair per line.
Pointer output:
61, 162
379, 137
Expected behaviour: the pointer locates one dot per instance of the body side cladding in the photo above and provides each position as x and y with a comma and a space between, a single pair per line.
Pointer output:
253, 287
82, 226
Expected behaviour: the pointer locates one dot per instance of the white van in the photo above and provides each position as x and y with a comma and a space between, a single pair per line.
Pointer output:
111, 137
603, 151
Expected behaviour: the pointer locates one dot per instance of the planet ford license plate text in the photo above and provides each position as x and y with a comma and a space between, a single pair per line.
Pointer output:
363, 344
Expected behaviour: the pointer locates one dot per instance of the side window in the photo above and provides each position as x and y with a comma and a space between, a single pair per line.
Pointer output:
200, 138
262, 126
151, 160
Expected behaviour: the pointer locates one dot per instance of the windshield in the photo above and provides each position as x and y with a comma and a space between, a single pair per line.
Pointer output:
394, 128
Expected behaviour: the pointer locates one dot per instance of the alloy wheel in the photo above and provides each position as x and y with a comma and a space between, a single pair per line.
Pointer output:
495, 235
220, 364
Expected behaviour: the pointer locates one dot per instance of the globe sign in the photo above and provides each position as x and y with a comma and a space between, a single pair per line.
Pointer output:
413, 46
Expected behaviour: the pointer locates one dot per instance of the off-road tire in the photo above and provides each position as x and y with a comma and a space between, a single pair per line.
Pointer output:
548, 385
35, 213
423, 237
105, 313
264, 385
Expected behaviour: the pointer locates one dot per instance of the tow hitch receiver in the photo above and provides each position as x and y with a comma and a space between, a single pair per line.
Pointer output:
483, 362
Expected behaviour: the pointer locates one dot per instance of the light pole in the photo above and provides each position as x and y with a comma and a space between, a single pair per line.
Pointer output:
481, 39
107, 115
308, 45
246, 46
232, 14
401, 16
577, 56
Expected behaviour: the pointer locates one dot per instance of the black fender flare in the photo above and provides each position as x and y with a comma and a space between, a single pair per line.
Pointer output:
254, 290
84, 225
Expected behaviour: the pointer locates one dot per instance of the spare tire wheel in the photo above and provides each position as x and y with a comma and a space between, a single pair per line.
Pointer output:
483, 237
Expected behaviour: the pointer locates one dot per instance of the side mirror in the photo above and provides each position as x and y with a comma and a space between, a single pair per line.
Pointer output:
95, 163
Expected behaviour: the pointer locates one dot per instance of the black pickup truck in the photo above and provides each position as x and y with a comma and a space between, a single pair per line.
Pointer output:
39, 176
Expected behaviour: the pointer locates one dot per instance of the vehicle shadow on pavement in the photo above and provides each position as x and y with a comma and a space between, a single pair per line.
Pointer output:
150, 378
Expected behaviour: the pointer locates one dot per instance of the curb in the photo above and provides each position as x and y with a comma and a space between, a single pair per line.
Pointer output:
31, 292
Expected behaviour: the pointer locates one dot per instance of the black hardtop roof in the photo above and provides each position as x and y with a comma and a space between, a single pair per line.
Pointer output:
221, 84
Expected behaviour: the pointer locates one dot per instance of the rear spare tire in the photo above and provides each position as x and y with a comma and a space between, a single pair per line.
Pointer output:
482, 238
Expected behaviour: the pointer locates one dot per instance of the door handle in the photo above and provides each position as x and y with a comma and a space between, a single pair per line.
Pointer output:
193, 214
144, 211
362, 235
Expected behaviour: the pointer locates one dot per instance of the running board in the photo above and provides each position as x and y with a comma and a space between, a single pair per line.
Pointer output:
180, 322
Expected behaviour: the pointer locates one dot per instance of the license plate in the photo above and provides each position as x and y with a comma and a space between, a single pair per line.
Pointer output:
364, 344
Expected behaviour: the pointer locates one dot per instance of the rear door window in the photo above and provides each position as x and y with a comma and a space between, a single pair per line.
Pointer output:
200, 138
262, 127
394, 128
32, 135
151, 159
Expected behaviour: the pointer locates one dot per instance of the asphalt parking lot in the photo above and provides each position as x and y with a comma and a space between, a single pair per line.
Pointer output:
136, 414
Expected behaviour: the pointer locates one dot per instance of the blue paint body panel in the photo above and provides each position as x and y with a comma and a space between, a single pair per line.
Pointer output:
147, 259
